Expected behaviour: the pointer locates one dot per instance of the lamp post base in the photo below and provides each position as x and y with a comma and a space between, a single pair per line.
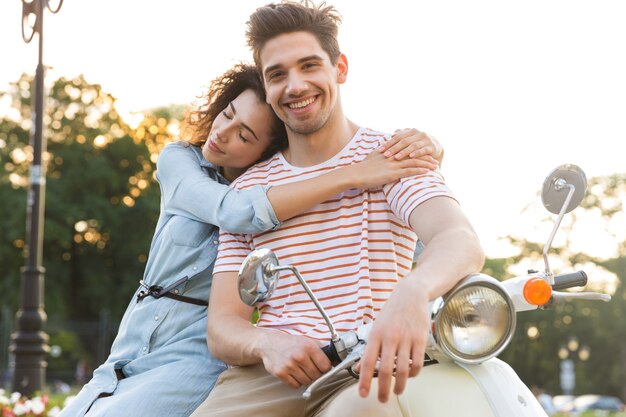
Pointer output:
29, 343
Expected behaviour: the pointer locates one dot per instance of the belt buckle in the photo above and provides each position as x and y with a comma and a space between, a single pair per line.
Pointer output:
153, 291
157, 291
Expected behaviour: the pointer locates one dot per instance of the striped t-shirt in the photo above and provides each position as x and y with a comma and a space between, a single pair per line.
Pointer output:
351, 249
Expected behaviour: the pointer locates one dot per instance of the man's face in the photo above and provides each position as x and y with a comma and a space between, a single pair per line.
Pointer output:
300, 81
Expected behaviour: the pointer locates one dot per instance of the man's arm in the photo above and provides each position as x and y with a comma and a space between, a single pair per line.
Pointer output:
295, 360
227, 312
400, 331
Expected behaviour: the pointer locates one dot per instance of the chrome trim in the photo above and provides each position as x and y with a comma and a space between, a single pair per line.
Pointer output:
472, 280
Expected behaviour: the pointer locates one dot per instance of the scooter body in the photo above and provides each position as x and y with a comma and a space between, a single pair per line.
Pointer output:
447, 388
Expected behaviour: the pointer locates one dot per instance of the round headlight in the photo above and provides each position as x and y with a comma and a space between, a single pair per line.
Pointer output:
475, 321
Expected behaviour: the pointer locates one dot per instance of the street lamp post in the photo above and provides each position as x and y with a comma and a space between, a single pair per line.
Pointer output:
568, 374
29, 343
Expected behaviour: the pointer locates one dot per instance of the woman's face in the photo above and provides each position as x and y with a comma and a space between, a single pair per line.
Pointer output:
240, 133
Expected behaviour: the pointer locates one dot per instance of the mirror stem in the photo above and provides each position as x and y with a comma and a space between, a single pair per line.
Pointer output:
559, 185
333, 332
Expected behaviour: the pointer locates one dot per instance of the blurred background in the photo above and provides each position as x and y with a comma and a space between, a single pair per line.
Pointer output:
511, 89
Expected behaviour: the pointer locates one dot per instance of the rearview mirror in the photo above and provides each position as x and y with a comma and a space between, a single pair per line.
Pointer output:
557, 185
257, 276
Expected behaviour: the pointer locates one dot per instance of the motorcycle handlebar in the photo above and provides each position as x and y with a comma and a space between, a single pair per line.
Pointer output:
572, 279
332, 354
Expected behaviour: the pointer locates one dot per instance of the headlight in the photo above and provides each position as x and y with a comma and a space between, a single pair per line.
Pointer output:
475, 321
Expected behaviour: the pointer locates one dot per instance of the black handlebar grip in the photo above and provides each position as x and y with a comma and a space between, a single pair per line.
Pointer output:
332, 354
573, 279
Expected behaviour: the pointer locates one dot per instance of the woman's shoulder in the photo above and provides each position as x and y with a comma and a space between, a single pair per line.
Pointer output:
178, 157
179, 144
179, 147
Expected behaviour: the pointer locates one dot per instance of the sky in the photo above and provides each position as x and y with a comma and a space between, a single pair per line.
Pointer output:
511, 89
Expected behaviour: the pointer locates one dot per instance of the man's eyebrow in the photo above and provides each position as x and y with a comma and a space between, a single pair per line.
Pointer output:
248, 128
313, 57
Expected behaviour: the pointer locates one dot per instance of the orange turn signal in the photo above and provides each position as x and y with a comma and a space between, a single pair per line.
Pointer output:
537, 291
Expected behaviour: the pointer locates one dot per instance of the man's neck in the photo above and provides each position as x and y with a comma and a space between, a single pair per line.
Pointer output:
320, 146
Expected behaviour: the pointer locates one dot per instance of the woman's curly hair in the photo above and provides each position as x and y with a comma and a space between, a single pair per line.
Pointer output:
222, 90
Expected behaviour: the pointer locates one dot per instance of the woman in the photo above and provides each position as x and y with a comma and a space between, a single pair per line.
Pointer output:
159, 363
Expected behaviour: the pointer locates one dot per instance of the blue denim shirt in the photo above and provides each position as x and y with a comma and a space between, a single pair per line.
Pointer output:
161, 344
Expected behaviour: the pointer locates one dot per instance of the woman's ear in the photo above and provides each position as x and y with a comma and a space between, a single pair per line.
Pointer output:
342, 69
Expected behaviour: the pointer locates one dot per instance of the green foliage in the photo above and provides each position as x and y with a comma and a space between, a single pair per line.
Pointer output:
101, 200
598, 413
72, 351
12, 209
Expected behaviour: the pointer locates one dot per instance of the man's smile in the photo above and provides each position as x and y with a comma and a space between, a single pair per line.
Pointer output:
302, 103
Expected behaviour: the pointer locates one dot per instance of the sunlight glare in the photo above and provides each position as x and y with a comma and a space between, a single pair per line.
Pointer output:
100, 141
132, 118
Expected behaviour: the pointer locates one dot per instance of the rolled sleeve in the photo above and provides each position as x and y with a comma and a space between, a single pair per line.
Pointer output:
407, 193
264, 212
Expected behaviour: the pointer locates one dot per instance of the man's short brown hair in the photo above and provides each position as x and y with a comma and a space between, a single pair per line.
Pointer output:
275, 19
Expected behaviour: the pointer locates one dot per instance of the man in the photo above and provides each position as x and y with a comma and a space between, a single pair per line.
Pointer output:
354, 250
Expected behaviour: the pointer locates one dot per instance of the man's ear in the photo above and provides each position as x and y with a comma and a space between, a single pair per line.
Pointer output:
342, 69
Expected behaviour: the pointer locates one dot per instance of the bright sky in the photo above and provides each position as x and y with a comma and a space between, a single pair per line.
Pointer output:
511, 88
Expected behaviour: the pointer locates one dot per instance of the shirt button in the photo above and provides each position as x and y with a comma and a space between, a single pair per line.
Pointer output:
215, 242
144, 349
156, 318
195, 268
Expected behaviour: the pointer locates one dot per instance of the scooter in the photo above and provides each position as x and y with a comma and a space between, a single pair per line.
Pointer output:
470, 325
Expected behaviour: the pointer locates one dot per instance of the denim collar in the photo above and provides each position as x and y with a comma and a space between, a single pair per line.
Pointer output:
208, 166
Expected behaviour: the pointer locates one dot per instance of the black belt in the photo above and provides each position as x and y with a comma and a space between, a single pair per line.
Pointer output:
157, 291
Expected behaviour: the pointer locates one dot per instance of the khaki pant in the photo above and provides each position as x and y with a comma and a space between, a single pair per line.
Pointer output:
251, 391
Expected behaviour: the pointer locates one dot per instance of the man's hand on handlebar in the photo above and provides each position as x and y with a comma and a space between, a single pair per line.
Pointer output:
295, 360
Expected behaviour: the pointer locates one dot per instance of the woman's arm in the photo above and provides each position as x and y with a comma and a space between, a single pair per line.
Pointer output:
424, 153
189, 192
376, 170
